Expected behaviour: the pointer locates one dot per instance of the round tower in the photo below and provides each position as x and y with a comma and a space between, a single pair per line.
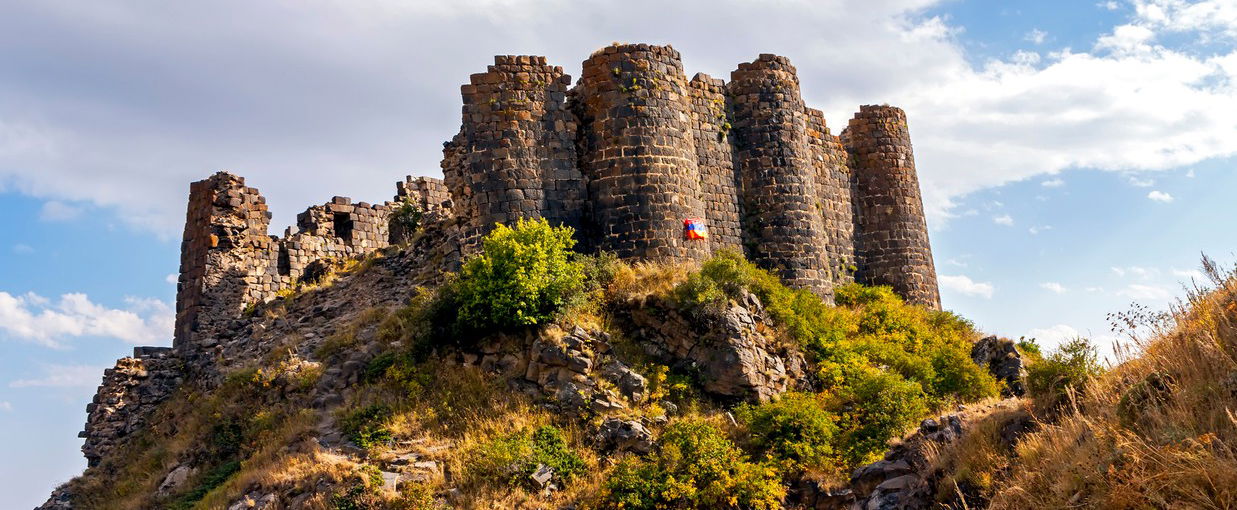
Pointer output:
515, 154
637, 153
784, 231
891, 233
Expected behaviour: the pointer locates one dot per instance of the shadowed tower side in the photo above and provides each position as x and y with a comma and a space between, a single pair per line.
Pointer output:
784, 229
891, 232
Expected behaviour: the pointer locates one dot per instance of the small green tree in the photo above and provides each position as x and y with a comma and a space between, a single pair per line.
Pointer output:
1068, 366
405, 219
524, 276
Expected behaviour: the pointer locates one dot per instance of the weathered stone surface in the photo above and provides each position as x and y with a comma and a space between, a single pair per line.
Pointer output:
1003, 361
735, 360
625, 435
123, 403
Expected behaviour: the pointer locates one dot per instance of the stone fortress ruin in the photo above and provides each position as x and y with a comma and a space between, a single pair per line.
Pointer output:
625, 156
630, 156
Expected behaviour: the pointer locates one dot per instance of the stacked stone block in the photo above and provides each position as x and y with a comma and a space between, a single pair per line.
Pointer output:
784, 229
427, 193
638, 153
515, 155
892, 234
224, 254
833, 188
719, 182
228, 261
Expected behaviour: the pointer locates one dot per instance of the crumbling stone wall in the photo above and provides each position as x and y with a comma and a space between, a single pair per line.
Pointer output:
228, 261
719, 182
515, 155
227, 258
785, 230
130, 392
638, 153
892, 234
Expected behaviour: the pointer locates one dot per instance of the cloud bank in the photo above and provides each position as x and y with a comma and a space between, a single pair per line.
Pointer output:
121, 105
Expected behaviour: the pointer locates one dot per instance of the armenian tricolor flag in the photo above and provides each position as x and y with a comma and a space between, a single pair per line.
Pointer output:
693, 228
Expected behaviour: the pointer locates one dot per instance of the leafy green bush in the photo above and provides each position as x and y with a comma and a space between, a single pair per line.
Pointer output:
871, 339
405, 219
366, 427
694, 466
795, 431
524, 276
512, 459
881, 405
1069, 366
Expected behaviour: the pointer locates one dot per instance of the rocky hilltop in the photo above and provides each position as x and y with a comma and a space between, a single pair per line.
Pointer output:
637, 291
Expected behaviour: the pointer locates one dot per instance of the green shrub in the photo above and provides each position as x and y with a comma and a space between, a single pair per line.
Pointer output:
524, 276
366, 427
405, 219
882, 406
694, 466
1050, 379
795, 431
512, 459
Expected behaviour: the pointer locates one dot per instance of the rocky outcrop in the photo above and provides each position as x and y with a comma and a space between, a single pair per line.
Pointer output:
574, 368
130, 392
727, 346
907, 477
1002, 360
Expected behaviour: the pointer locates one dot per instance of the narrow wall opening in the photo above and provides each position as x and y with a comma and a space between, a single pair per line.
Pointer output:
343, 226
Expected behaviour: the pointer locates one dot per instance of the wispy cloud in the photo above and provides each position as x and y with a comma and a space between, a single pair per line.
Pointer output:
966, 286
1053, 183
55, 210
1139, 182
1053, 335
1036, 36
23, 249
1144, 291
1140, 272
1160, 196
36, 318
63, 376
1037, 229
1004, 219
5, 406
1189, 274
1054, 287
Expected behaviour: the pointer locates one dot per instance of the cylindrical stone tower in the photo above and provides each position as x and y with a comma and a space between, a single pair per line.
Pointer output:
515, 154
892, 233
638, 154
783, 224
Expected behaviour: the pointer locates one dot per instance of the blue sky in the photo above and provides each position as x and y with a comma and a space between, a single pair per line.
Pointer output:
1075, 155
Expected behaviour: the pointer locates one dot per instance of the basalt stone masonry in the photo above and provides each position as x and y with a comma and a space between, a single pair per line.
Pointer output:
625, 156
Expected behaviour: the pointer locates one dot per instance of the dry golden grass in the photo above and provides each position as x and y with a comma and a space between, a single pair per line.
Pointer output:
1157, 431
639, 281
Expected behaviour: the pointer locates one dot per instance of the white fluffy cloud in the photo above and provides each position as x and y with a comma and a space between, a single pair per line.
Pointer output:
1160, 196
36, 318
1004, 219
62, 376
239, 86
964, 285
1054, 287
1053, 335
1053, 183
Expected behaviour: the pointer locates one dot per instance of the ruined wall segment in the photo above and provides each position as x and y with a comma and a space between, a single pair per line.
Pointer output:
719, 182
227, 258
515, 154
637, 153
891, 233
784, 231
833, 188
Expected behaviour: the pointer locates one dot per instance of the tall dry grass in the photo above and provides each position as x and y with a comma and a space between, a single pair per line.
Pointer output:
1159, 430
